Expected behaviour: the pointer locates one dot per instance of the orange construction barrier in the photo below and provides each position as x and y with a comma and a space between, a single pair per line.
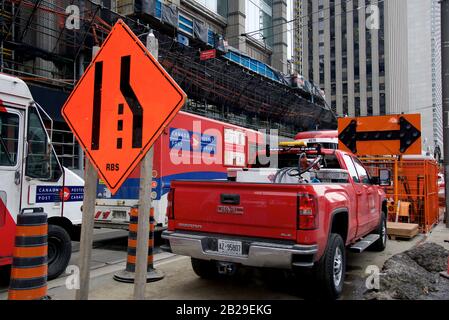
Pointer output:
415, 181
29, 266
128, 274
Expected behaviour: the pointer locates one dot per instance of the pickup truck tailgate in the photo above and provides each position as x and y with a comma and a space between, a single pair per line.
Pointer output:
258, 210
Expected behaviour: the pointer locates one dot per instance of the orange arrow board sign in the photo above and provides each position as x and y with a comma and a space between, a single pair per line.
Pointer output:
381, 135
121, 105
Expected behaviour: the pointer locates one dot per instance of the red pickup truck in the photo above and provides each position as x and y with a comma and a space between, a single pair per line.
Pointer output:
313, 206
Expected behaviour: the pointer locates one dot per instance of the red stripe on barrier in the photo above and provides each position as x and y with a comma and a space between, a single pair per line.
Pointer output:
30, 252
29, 231
32, 294
27, 273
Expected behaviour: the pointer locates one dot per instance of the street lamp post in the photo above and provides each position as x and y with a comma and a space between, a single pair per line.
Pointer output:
445, 85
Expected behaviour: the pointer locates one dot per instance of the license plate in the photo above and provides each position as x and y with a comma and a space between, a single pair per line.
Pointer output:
119, 214
229, 247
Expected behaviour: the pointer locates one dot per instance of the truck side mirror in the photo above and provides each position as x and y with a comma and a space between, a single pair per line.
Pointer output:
385, 177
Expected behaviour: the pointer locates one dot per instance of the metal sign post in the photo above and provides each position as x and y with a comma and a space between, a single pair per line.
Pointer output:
87, 227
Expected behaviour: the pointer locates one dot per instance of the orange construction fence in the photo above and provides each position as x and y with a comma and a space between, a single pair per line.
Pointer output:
413, 195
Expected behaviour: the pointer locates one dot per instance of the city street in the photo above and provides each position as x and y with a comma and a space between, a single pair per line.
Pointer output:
180, 282
247, 149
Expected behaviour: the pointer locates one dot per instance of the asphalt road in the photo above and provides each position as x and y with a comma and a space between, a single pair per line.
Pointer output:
109, 247
180, 282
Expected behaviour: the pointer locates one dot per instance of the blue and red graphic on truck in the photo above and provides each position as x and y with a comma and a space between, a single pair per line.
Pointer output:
58, 193
192, 147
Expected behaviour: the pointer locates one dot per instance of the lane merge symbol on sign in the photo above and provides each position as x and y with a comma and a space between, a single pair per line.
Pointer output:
121, 105
394, 135
131, 99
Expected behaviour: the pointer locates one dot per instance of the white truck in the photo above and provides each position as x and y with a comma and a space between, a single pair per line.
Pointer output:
31, 177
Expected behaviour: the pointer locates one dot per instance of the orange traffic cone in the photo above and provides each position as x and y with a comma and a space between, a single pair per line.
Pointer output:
29, 267
128, 274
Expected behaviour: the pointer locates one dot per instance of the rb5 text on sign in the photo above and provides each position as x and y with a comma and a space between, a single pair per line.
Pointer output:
121, 105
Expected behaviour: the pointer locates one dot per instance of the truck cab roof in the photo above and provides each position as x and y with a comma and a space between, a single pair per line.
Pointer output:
14, 91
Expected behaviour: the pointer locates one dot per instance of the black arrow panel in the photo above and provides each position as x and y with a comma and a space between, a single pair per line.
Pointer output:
407, 135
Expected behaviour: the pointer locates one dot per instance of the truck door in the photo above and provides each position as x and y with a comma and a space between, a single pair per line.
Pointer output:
372, 204
362, 197
11, 148
43, 184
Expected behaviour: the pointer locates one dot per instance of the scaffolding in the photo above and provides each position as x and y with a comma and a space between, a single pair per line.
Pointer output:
237, 95
37, 46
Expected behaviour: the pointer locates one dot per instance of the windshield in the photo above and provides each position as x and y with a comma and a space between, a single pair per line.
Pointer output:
9, 135
291, 160
41, 160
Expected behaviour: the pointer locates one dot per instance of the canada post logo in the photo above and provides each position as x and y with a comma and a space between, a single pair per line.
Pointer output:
57, 193
181, 139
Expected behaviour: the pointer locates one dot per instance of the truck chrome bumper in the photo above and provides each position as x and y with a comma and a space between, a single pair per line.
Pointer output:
259, 253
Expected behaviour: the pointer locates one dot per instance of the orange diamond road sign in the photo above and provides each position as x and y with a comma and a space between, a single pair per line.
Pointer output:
121, 105
381, 135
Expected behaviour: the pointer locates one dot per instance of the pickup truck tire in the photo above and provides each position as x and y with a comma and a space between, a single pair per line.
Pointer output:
204, 269
381, 243
59, 250
330, 270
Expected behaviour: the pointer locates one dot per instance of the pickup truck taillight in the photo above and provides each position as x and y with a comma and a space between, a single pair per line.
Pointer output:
307, 212
170, 208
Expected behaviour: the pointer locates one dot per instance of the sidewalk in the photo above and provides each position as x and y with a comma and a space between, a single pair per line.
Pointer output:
438, 235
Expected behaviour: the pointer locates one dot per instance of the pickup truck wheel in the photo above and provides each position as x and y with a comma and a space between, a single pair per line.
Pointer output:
59, 251
381, 243
204, 269
330, 270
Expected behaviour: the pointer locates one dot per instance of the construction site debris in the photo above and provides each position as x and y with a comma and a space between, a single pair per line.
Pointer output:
402, 230
414, 275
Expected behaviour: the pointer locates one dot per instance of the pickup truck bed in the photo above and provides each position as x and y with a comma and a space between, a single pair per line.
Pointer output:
276, 225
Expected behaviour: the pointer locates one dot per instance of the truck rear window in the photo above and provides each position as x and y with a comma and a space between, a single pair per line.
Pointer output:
291, 160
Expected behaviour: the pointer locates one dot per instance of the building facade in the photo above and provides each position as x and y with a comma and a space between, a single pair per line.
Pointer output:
437, 98
49, 43
255, 27
373, 57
